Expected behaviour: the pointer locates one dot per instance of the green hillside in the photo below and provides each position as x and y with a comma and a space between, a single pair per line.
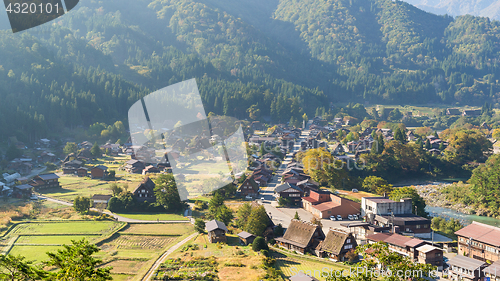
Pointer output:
276, 58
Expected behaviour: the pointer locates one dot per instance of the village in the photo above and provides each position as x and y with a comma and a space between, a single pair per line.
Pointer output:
315, 220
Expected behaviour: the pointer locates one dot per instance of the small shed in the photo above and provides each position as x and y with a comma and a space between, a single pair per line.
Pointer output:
99, 172
82, 172
246, 238
216, 231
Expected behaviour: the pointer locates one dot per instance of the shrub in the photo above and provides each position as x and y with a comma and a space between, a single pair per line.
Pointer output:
259, 244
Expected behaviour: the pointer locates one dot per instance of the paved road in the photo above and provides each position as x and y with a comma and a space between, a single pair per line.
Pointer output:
161, 259
283, 216
117, 217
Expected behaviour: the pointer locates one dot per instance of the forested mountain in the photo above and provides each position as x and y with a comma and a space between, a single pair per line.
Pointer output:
250, 57
483, 8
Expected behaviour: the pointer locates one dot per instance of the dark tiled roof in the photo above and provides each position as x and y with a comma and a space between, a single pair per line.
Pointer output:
466, 262
252, 183
24, 187
245, 235
215, 224
147, 183
286, 186
51, 176
102, 167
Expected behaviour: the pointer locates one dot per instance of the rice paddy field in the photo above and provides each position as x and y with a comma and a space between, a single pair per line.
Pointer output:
130, 249
34, 239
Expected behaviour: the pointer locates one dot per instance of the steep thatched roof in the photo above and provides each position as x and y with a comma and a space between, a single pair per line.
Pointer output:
334, 241
300, 233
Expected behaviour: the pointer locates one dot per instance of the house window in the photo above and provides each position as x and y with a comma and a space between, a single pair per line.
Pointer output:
418, 226
347, 247
348, 241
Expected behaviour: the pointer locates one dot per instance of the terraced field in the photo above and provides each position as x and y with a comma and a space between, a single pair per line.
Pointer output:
34, 239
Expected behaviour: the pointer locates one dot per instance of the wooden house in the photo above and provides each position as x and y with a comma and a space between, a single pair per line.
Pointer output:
145, 191
290, 191
82, 172
465, 268
301, 237
246, 238
216, 231
99, 172
45, 181
336, 244
134, 166
249, 188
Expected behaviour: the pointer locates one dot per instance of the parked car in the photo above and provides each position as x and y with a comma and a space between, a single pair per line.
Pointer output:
350, 217
248, 197
332, 218
339, 217
356, 217
354, 190
33, 197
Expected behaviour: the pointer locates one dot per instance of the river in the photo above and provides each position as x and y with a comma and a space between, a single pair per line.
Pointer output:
462, 217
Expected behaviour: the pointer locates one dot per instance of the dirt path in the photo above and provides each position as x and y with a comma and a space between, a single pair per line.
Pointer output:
161, 259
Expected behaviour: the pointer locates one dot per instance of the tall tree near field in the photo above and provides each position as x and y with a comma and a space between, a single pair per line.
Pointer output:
199, 225
76, 262
16, 268
257, 221
82, 204
70, 147
243, 214
416, 199
167, 194
96, 151
380, 144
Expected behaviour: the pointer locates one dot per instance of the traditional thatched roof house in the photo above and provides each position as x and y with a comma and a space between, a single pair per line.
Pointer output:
216, 231
145, 191
301, 237
249, 187
336, 244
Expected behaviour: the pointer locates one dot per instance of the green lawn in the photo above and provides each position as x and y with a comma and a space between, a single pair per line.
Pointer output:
153, 216
67, 227
56, 240
34, 253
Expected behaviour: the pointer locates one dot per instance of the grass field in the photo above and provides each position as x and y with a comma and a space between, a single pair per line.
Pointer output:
37, 238
34, 253
291, 265
67, 227
56, 240
153, 216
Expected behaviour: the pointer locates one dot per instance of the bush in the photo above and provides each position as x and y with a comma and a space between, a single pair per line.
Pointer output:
259, 244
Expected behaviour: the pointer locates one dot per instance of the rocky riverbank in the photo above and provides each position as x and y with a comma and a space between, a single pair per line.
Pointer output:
434, 197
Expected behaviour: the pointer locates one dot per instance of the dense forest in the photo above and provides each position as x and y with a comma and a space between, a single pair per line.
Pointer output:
251, 59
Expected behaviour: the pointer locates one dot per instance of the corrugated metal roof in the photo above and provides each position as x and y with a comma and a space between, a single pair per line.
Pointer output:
466, 262
481, 232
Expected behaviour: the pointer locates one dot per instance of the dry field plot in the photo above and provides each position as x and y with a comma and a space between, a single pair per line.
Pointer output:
142, 242
158, 229
125, 266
